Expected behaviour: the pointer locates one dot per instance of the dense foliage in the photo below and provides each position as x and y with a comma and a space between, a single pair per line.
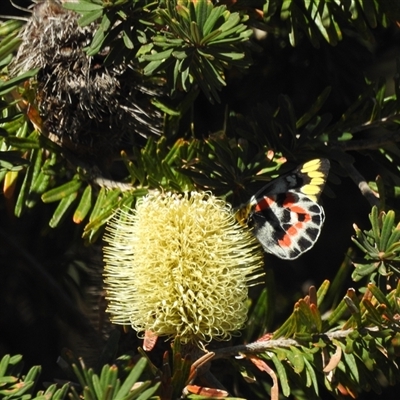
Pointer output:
104, 101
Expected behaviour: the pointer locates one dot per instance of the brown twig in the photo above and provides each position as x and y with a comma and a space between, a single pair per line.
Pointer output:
371, 143
373, 124
362, 184
265, 345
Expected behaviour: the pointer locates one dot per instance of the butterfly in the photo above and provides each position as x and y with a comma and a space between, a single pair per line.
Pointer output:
285, 215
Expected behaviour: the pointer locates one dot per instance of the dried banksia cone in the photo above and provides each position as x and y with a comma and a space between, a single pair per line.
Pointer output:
86, 106
180, 265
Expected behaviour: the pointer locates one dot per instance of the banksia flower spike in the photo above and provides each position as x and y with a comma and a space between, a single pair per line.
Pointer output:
180, 265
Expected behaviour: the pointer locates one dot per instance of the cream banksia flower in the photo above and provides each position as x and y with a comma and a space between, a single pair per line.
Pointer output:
180, 265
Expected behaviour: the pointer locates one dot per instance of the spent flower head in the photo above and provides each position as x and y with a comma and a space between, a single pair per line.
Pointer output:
180, 265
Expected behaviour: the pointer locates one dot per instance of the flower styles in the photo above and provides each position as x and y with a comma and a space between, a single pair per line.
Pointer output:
180, 265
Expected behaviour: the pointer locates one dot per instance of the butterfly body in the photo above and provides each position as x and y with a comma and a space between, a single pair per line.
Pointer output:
285, 215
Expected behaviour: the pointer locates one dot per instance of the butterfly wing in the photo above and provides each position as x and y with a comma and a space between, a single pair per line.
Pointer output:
285, 214
309, 179
287, 224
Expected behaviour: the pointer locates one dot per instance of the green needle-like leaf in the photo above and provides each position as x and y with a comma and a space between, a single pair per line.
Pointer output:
131, 379
62, 209
62, 191
280, 369
388, 221
394, 237
84, 205
7, 86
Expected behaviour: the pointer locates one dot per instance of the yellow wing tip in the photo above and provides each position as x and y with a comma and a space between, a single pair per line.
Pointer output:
317, 172
318, 164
